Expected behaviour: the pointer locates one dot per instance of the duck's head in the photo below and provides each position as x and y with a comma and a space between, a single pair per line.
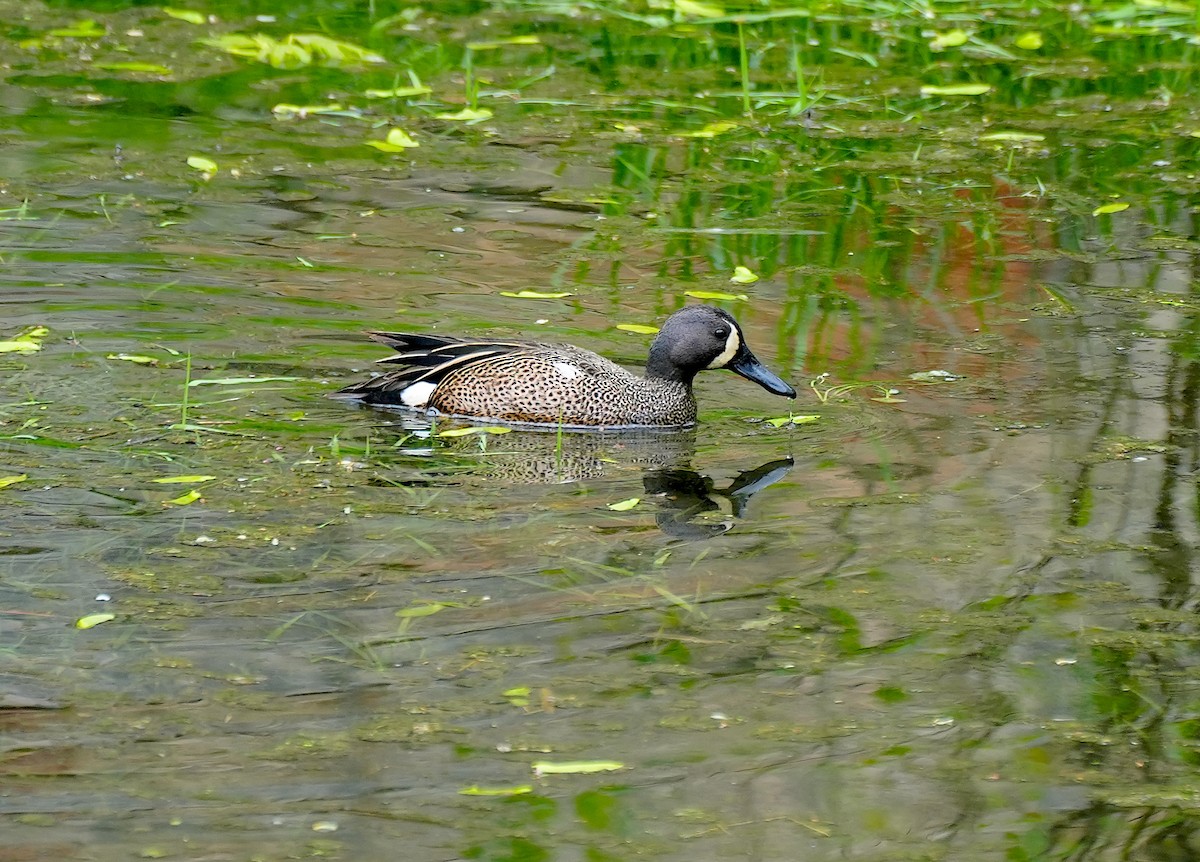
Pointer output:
700, 337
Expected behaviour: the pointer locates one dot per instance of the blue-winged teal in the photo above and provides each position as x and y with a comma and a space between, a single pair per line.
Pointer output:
514, 381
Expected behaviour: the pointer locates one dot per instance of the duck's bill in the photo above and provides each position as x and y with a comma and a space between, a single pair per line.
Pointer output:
747, 365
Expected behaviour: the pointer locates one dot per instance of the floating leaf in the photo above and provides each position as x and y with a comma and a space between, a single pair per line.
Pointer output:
576, 767
397, 141
1029, 41
93, 620
239, 44
1014, 137
398, 92
235, 381
711, 130
426, 610
625, 505
742, 275
639, 328
716, 295
518, 696
152, 68
793, 420
181, 480
478, 429
534, 294
86, 29
333, 52
5, 481
202, 163
695, 9
949, 39
1107, 209
133, 357
936, 375
186, 499
26, 341
515, 790
189, 15
956, 90
500, 43
294, 51
285, 110
467, 115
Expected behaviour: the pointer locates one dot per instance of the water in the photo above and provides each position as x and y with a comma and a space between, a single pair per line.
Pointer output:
954, 620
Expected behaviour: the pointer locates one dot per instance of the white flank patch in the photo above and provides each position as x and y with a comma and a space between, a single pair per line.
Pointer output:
567, 370
732, 343
417, 395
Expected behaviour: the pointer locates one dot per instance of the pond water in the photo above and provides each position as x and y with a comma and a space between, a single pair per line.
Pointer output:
953, 616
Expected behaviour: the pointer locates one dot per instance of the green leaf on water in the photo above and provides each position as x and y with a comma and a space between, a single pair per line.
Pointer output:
294, 50
398, 92
202, 163
85, 29
639, 328
1107, 209
28, 340
956, 90
133, 357
1029, 41
186, 499
476, 429
283, 109
6, 481
467, 115
189, 15
1014, 137
235, 381
534, 294
397, 141
515, 790
425, 610
743, 275
500, 43
333, 52
152, 68
716, 295
949, 39
711, 130
804, 419
625, 505
695, 9
182, 480
93, 620
576, 767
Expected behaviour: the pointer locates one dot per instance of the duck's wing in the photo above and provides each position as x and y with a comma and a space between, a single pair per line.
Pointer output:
424, 359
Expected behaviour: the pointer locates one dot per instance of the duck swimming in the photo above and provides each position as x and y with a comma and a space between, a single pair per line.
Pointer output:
560, 384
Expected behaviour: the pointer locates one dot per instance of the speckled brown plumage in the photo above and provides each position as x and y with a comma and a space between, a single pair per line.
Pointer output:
523, 382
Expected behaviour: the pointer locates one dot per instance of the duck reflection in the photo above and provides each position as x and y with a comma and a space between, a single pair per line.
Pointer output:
684, 495
685, 498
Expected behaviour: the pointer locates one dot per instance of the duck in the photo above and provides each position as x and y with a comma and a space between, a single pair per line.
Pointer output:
561, 385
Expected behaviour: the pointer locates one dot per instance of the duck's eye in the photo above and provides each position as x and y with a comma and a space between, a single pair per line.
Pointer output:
721, 333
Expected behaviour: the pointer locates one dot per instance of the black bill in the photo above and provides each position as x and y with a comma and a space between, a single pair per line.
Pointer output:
747, 365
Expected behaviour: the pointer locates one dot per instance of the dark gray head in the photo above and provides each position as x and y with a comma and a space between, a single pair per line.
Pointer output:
700, 337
